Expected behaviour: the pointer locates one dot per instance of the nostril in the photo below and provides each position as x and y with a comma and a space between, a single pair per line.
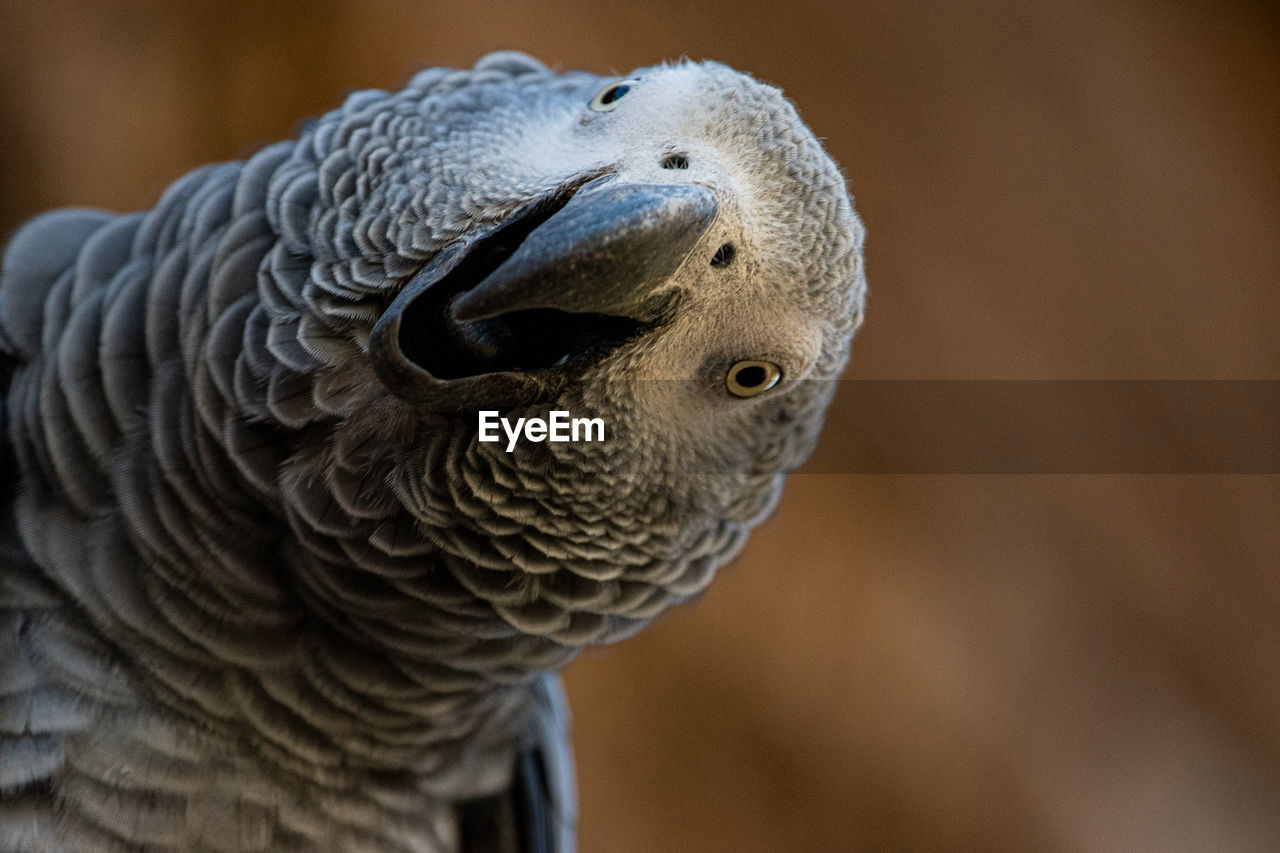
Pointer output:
723, 256
674, 161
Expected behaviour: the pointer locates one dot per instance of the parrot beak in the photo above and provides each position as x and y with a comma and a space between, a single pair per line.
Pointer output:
571, 275
605, 252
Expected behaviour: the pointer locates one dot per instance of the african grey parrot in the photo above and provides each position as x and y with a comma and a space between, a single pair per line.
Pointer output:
264, 588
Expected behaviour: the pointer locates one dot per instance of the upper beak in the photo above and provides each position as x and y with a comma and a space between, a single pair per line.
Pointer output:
552, 282
607, 251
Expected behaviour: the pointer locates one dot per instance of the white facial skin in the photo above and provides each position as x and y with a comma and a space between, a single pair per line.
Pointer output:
761, 305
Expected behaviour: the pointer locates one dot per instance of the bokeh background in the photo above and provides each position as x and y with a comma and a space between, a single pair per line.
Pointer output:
1054, 189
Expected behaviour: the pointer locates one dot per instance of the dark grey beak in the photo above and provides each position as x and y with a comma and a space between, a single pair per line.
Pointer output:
572, 275
605, 252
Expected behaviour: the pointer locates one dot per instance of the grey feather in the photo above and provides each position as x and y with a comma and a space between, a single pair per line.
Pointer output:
263, 588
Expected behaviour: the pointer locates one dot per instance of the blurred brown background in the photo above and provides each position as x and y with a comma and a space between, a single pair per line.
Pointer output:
1052, 190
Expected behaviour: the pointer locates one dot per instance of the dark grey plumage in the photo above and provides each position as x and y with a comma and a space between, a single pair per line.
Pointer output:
262, 588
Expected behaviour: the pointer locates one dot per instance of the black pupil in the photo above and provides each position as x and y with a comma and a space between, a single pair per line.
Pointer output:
750, 377
616, 92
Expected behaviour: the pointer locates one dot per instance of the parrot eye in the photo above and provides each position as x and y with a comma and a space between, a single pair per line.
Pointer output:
750, 378
607, 98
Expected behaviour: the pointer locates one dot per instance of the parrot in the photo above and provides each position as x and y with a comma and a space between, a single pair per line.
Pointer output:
264, 586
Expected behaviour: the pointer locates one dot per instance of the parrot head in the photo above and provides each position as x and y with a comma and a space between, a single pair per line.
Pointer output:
671, 251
